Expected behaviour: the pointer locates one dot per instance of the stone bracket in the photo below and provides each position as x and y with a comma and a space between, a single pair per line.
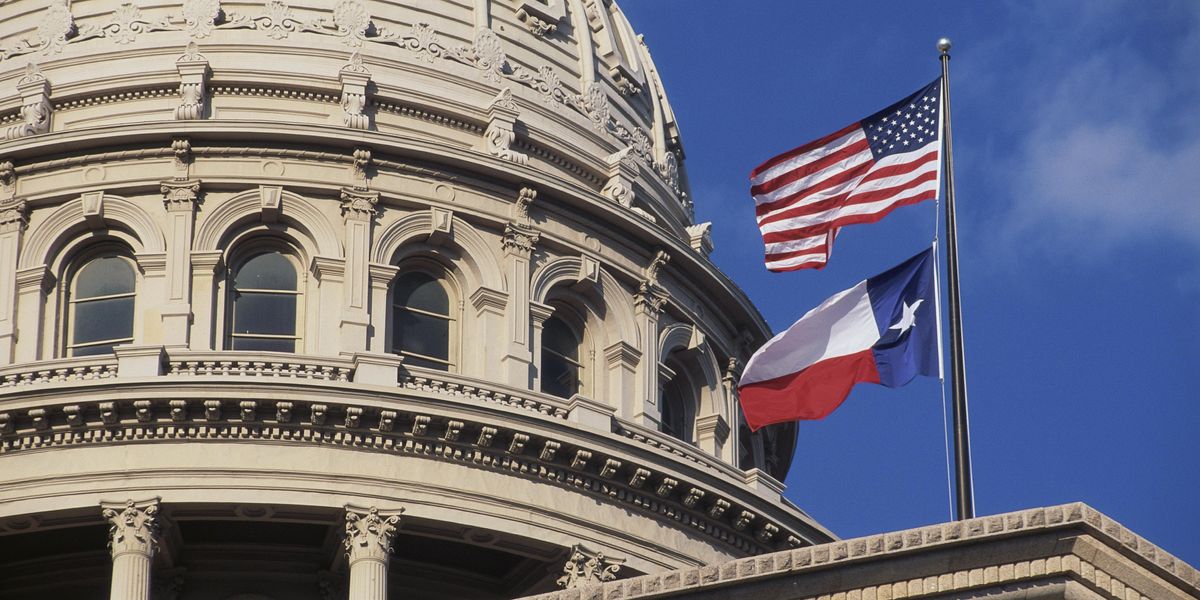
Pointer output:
193, 84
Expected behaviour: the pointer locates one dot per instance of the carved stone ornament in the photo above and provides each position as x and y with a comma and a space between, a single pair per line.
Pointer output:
504, 100
354, 78
352, 20
536, 25
133, 527
489, 55
8, 180
499, 138
585, 568
525, 198
595, 103
56, 27
201, 16
359, 203
193, 76
369, 533
180, 195
35, 104
14, 214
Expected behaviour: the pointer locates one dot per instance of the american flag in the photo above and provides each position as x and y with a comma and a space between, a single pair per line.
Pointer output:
857, 174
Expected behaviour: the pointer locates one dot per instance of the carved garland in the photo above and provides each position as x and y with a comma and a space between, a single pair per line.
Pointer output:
394, 432
350, 21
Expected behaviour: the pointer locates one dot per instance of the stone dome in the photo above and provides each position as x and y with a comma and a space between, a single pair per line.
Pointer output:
317, 299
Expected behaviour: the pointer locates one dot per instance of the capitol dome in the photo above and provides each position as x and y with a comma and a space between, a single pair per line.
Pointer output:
317, 300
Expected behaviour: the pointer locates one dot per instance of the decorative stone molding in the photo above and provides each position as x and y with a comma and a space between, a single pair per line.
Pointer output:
133, 526
180, 195
700, 238
35, 103
651, 297
358, 204
585, 567
8, 181
499, 135
369, 533
354, 78
541, 17
193, 82
93, 209
200, 17
181, 148
362, 163
14, 215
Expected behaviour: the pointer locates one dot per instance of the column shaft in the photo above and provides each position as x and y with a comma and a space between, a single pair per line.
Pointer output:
368, 580
130, 577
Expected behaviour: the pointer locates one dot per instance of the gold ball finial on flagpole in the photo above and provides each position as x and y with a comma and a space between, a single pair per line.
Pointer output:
943, 45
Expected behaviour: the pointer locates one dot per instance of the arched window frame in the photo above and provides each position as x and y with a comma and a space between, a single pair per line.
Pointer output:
70, 300
241, 251
576, 321
443, 276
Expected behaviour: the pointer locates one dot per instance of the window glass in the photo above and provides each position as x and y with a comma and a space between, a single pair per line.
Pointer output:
560, 362
266, 271
421, 321
675, 400
101, 306
264, 298
104, 276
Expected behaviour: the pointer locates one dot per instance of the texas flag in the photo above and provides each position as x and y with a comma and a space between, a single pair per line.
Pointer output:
883, 330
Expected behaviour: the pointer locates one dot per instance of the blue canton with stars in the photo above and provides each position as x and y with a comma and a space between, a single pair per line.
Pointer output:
906, 125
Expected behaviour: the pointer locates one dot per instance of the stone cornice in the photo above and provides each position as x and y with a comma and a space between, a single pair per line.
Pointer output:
615, 470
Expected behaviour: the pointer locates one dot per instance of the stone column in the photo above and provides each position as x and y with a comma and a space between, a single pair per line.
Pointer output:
179, 198
13, 220
133, 539
380, 335
358, 213
369, 533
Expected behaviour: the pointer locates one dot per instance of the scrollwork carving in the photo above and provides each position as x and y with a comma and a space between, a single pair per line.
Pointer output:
201, 16
369, 533
132, 526
585, 567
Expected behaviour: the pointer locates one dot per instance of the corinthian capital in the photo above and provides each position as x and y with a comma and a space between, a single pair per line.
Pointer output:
369, 532
133, 526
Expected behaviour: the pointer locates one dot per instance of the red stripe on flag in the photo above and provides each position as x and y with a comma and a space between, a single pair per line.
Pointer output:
808, 169
809, 394
817, 143
840, 201
833, 180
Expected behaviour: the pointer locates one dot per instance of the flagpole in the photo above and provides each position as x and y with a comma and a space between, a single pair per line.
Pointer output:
958, 374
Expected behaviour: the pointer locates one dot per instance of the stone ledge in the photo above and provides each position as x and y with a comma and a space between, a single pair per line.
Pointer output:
703, 582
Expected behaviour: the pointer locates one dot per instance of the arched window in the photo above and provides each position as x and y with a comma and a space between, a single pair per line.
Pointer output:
263, 303
560, 358
421, 321
679, 408
101, 303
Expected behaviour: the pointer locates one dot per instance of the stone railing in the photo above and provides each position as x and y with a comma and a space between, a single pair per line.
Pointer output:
253, 364
455, 385
59, 371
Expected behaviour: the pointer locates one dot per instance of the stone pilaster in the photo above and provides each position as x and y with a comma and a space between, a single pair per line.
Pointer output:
133, 539
358, 214
13, 220
368, 544
205, 265
33, 284
520, 239
179, 198
381, 277
648, 306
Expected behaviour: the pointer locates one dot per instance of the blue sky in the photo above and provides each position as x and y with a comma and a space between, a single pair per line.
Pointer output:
1077, 148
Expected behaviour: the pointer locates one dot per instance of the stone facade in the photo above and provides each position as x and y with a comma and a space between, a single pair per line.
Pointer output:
520, 157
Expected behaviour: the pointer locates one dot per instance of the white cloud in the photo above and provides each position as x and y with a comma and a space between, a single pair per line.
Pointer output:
1112, 154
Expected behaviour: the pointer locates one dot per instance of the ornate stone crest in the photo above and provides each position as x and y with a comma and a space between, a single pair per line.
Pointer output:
585, 568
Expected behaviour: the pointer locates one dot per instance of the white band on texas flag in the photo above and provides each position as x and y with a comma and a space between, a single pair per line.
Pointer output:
882, 330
